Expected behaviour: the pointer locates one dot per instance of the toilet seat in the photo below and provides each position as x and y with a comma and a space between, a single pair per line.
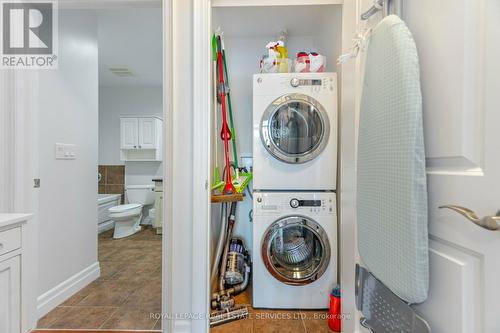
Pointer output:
124, 208
127, 219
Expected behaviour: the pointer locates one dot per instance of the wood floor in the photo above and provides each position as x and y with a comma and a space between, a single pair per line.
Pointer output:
127, 296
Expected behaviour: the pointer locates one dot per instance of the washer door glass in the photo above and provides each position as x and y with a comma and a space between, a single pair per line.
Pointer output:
296, 250
295, 128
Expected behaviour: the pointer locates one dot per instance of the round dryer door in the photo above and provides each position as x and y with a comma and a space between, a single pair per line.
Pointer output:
295, 128
296, 250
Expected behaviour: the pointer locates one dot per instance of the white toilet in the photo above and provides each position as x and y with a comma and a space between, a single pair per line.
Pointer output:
127, 218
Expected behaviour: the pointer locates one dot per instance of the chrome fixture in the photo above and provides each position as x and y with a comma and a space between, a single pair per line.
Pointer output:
295, 144
388, 7
296, 250
487, 222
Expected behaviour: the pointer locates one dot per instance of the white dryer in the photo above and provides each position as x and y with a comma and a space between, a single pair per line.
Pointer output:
295, 131
295, 249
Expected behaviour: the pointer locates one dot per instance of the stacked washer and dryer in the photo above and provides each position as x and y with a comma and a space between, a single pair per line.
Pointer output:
295, 167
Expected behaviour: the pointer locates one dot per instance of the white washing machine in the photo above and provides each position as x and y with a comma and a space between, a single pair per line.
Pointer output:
295, 131
295, 249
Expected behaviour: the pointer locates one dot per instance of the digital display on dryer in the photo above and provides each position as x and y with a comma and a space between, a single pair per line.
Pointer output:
310, 203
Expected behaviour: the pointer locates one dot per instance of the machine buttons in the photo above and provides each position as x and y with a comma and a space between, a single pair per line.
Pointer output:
295, 82
294, 203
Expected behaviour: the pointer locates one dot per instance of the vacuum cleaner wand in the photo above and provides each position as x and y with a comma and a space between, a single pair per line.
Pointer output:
228, 315
230, 274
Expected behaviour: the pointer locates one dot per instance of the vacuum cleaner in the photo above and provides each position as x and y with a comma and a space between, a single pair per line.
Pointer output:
232, 270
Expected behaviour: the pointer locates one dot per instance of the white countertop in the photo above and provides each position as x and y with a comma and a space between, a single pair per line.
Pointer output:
8, 219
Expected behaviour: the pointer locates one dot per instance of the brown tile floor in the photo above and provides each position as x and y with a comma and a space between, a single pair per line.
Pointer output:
127, 293
275, 321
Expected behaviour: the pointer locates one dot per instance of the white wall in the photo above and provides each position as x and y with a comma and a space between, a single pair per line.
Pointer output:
118, 101
68, 114
245, 42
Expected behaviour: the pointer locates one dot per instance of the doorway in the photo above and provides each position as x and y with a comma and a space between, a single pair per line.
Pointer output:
100, 206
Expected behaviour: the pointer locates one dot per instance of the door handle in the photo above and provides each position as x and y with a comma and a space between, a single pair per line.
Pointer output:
487, 222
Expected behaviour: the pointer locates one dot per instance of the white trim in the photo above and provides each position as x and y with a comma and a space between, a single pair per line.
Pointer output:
349, 103
252, 3
108, 4
183, 326
201, 170
168, 172
57, 295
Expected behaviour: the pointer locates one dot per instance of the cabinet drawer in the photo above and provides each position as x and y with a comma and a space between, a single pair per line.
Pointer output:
10, 240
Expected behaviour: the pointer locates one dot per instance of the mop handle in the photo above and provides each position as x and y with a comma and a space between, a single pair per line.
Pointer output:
225, 133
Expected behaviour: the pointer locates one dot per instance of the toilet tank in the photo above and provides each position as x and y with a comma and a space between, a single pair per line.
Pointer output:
140, 194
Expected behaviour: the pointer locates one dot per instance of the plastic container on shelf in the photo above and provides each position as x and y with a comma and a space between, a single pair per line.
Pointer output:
275, 65
307, 63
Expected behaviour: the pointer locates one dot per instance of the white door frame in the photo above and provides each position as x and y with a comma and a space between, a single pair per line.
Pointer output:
187, 197
201, 174
168, 173
17, 93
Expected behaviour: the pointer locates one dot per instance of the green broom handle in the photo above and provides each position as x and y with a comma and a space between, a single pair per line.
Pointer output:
233, 136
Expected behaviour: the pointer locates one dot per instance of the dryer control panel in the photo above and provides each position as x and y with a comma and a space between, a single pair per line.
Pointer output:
321, 203
305, 83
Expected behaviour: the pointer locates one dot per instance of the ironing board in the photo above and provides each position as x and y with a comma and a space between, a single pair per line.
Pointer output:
391, 178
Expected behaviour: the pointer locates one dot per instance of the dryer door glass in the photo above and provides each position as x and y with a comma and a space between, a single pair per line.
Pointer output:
295, 128
296, 250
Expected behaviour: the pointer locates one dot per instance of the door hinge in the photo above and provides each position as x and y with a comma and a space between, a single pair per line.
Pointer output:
36, 183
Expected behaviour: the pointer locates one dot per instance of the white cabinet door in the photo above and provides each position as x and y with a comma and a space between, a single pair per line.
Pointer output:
10, 295
129, 133
147, 133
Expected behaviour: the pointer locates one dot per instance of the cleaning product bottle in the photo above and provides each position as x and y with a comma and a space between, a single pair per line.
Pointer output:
317, 62
302, 62
335, 317
283, 58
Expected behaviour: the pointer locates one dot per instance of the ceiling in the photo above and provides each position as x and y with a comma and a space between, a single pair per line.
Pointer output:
130, 38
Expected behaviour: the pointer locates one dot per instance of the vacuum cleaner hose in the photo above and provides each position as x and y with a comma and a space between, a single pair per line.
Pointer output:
223, 265
236, 289
220, 243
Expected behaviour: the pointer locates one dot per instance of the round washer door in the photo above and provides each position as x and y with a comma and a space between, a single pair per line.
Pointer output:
296, 250
295, 128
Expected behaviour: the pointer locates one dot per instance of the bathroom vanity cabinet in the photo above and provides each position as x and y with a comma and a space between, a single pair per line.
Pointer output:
158, 220
141, 138
13, 279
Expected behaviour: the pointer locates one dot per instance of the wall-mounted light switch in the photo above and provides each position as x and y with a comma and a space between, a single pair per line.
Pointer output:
65, 151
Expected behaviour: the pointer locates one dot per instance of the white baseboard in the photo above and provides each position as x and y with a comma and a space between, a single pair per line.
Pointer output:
57, 295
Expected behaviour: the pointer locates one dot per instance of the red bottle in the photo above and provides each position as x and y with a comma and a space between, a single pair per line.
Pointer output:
335, 316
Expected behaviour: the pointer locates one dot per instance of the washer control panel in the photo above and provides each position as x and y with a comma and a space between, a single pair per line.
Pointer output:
320, 203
